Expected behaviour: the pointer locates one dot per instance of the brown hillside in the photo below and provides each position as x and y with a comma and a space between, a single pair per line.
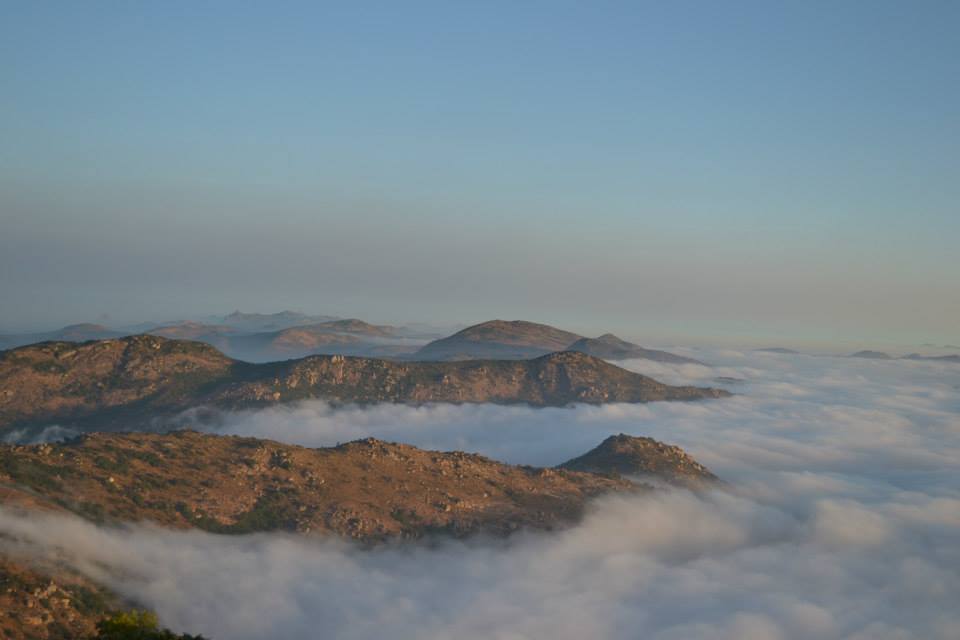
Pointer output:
367, 490
140, 381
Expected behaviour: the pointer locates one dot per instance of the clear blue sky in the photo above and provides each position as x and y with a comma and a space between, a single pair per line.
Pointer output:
716, 169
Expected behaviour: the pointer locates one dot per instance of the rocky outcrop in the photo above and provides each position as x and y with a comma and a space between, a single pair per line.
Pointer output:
49, 602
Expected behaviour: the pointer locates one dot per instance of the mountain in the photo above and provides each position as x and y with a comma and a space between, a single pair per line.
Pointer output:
295, 342
145, 380
644, 457
499, 339
519, 339
917, 356
189, 330
272, 321
82, 332
879, 355
342, 337
872, 355
610, 347
368, 491
358, 327
782, 350
71, 333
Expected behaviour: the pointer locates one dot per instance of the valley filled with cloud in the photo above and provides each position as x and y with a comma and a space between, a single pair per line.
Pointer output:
839, 518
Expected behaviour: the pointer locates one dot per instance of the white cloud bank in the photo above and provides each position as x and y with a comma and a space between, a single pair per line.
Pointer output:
844, 523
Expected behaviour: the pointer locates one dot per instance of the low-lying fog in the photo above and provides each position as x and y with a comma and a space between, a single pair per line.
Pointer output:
843, 521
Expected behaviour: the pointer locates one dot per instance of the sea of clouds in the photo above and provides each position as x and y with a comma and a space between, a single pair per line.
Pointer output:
842, 520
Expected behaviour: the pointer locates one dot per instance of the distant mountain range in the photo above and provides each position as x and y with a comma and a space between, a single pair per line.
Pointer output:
519, 339
143, 380
948, 358
71, 333
258, 337
880, 355
872, 355
264, 337
336, 337
254, 322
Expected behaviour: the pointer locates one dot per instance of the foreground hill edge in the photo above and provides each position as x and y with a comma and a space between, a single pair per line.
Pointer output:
368, 491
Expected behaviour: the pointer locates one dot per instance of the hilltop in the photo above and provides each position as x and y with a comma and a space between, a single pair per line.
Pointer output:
499, 339
644, 457
519, 339
143, 381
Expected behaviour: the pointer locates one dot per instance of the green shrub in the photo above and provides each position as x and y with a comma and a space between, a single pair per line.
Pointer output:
136, 625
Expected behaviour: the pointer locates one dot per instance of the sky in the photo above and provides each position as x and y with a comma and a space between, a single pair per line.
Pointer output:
740, 171
839, 520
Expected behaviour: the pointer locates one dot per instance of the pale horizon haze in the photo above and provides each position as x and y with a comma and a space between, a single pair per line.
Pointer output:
741, 172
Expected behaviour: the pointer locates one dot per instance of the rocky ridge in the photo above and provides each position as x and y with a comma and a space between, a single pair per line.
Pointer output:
144, 381
368, 491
